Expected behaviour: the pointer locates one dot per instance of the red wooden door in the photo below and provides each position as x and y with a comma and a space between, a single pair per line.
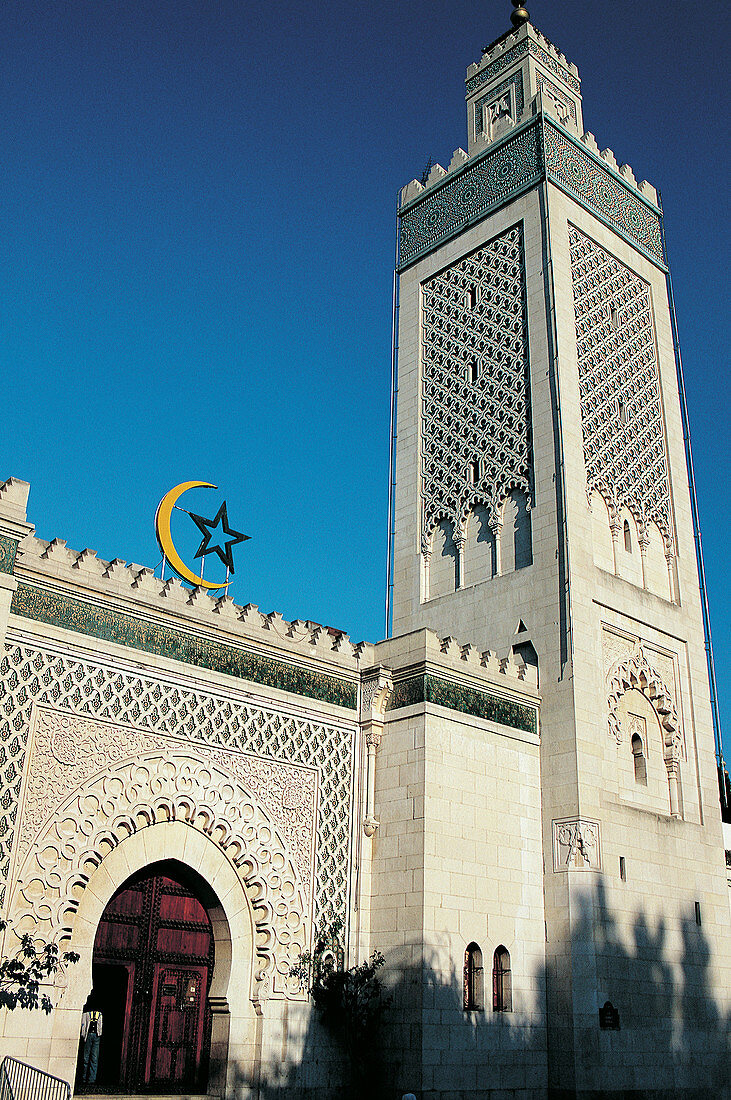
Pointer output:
159, 931
176, 1025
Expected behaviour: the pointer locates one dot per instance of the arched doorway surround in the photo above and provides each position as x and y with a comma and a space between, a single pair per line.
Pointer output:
233, 1028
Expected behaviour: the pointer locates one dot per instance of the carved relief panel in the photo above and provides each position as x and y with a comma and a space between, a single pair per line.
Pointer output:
170, 710
89, 784
576, 845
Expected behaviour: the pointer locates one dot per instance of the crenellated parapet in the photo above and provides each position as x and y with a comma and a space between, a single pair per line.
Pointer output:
125, 603
427, 668
138, 585
524, 154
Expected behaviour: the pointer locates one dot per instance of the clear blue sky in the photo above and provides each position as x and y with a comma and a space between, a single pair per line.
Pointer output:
197, 225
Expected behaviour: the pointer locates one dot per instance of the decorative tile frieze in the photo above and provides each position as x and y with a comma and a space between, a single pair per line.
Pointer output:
475, 439
527, 46
165, 641
534, 150
576, 845
619, 386
427, 688
502, 172
576, 171
8, 550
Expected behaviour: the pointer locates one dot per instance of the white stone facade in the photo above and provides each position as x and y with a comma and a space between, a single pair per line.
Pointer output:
607, 598
294, 772
514, 798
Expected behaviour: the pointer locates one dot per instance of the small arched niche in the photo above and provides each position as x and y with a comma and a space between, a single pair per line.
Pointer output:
642, 771
629, 558
502, 981
444, 561
479, 549
516, 541
601, 530
657, 577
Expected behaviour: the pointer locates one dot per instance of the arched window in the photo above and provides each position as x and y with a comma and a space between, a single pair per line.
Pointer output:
640, 762
502, 983
473, 984
627, 538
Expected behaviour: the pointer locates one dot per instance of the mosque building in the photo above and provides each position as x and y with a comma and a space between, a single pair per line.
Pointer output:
514, 798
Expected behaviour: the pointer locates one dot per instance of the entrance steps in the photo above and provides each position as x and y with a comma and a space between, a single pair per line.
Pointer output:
113, 1095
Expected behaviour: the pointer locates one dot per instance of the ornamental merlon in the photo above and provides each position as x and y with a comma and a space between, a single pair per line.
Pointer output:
470, 192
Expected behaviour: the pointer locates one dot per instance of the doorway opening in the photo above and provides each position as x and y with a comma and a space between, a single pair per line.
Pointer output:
151, 970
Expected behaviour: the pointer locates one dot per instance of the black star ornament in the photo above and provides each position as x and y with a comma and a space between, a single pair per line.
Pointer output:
217, 541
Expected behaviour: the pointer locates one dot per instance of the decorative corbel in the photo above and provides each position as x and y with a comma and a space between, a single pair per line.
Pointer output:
376, 691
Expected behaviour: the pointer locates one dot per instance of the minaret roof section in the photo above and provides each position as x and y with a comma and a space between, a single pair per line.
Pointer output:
522, 39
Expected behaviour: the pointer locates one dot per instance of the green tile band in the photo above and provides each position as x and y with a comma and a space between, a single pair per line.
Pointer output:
8, 548
482, 704
532, 152
165, 641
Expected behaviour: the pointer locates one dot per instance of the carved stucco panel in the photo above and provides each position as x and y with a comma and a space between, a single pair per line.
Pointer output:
576, 845
89, 784
167, 708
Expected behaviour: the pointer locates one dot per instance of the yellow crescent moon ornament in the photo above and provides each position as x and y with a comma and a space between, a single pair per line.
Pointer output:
164, 536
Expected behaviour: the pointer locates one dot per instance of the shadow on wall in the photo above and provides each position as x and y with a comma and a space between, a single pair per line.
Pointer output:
673, 1040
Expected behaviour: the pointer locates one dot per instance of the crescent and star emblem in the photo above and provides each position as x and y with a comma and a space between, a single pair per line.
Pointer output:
218, 537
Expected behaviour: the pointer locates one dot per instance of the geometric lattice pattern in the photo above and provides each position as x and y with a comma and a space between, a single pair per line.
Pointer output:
619, 384
475, 391
28, 675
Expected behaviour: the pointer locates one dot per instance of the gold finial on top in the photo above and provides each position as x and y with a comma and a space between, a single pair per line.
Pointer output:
520, 15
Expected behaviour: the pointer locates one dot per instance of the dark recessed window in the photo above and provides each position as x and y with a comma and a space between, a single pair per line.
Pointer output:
473, 981
502, 981
639, 758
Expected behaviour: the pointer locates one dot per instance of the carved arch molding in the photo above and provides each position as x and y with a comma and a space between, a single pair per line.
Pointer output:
636, 673
89, 784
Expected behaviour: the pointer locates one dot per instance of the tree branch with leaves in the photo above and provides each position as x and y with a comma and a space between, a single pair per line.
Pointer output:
22, 975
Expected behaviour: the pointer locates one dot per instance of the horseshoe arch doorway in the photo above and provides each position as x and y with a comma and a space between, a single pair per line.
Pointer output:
151, 972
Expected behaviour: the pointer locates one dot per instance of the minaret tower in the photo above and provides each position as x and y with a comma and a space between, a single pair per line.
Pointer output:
542, 506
